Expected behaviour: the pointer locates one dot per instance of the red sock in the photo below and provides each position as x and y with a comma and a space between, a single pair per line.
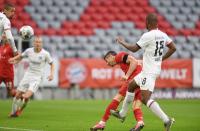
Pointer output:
112, 106
138, 115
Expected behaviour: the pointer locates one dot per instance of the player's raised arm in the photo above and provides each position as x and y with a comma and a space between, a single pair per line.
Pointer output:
131, 47
132, 65
171, 49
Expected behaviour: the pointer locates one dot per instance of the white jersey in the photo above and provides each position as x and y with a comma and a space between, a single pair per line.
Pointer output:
153, 43
4, 24
37, 61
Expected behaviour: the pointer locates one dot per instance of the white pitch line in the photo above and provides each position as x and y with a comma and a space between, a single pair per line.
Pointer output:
18, 129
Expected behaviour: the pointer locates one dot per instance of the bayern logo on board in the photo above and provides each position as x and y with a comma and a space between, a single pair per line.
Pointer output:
76, 72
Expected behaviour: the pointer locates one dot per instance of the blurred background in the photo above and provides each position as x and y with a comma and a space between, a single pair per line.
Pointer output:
79, 32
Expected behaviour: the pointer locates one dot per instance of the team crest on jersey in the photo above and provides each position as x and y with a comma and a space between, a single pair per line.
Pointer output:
40, 57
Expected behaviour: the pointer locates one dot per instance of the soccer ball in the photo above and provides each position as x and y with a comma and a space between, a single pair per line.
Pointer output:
26, 32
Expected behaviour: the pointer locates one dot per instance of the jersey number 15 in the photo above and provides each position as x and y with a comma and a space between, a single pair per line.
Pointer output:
159, 48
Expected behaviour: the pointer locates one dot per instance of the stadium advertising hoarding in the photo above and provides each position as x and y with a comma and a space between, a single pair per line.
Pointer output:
176, 74
95, 73
88, 73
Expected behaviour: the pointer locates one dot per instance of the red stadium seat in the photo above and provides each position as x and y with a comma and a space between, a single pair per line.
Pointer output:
74, 31
31, 23
79, 25
142, 3
14, 2
62, 32
97, 17
142, 17
90, 24
90, 10
121, 17
130, 3
67, 25
125, 10
108, 17
50, 31
118, 3
149, 9
113, 10
196, 32
102, 24
133, 17
87, 31
164, 25
85, 17
170, 31
198, 24
38, 31
186, 32
101, 9
22, 2
137, 10
107, 3
2, 2
24, 16
95, 2
19, 9
140, 25
17, 24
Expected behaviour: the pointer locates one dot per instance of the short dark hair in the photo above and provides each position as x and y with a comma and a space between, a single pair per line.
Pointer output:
8, 6
110, 53
152, 19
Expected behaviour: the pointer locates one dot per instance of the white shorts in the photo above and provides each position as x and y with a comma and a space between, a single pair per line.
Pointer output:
29, 82
146, 81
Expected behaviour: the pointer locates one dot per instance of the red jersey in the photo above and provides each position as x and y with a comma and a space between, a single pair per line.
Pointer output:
6, 69
124, 66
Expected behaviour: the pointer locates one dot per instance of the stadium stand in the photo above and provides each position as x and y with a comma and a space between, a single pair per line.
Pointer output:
87, 28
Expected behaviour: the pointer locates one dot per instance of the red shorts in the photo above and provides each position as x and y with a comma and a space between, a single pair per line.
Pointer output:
123, 89
8, 82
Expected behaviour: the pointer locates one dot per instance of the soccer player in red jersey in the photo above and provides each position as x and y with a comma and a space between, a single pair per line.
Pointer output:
6, 69
131, 67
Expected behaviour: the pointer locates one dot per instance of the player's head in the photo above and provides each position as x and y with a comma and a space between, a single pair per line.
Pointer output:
151, 21
9, 10
37, 42
109, 57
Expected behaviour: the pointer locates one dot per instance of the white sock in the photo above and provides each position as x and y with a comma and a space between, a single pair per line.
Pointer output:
155, 108
102, 122
127, 100
14, 105
19, 103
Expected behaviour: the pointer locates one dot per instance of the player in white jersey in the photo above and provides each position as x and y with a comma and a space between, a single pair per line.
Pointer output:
5, 26
37, 57
153, 42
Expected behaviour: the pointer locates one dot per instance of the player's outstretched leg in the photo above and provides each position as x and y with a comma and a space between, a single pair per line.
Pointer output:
116, 114
112, 106
169, 124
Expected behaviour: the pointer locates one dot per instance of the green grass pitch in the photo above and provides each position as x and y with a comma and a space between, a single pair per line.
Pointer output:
80, 115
